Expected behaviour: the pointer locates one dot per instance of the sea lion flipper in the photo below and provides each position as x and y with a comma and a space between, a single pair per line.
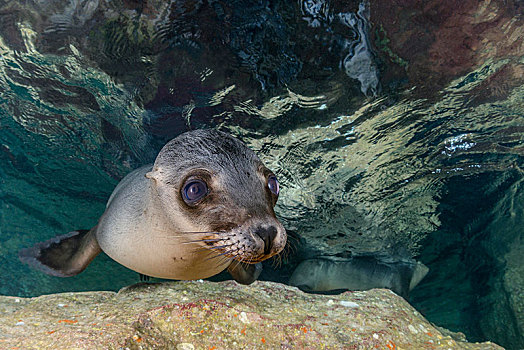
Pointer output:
419, 272
244, 273
63, 256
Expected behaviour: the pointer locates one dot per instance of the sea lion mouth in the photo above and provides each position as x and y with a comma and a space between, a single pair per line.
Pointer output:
234, 250
250, 245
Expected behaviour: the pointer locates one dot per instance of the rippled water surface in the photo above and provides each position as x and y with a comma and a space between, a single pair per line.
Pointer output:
370, 159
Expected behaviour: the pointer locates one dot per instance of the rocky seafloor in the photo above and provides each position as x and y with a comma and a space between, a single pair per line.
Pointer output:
225, 315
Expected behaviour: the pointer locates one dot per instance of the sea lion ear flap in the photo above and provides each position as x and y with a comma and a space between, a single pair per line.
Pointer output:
244, 273
154, 174
150, 175
63, 256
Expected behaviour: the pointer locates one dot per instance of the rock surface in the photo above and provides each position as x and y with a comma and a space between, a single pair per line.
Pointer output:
207, 315
438, 41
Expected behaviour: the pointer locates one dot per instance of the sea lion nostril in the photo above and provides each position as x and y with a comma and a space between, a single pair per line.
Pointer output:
268, 235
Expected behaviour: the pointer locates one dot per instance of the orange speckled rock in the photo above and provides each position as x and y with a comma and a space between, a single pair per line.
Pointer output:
226, 315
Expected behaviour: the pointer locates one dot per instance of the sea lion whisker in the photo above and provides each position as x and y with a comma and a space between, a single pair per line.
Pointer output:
205, 232
184, 234
290, 248
249, 262
224, 254
219, 246
203, 240
200, 249
234, 266
239, 262
197, 247
234, 257
276, 262
213, 248
218, 258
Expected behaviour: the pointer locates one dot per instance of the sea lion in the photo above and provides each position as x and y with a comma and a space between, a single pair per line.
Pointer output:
325, 274
206, 204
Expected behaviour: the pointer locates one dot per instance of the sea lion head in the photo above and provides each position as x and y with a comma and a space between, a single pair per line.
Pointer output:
210, 183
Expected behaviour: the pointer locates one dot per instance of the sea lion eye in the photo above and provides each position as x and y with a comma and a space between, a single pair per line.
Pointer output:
193, 191
272, 183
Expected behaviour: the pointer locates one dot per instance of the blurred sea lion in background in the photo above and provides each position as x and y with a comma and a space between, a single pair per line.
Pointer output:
324, 274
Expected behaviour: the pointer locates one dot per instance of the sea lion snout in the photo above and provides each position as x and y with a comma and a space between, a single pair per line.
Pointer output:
267, 234
270, 239
253, 241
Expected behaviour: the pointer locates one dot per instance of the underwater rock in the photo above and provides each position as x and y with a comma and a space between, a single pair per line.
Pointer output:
204, 315
435, 41
358, 273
